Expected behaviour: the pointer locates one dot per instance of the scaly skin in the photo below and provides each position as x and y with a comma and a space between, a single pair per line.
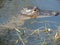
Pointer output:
35, 12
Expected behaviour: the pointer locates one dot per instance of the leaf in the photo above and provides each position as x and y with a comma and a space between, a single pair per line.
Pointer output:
17, 41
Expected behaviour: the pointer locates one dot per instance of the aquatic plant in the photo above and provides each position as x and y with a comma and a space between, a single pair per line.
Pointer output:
26, 36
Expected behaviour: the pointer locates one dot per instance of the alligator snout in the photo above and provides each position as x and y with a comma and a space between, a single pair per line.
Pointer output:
55, 13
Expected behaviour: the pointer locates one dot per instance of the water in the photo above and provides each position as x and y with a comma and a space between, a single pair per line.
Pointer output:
13, 7
7, 11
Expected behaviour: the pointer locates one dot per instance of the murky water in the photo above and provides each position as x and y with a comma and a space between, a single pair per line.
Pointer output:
13, 7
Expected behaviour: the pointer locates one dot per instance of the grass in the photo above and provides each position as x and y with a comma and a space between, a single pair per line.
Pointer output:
26, 35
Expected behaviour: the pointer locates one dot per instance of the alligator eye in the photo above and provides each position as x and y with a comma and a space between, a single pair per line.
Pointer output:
35, 10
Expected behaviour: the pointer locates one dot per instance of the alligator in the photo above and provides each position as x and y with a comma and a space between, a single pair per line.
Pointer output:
35, 12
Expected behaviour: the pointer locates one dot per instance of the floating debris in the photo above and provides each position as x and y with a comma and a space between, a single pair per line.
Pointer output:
48, 30
57, 36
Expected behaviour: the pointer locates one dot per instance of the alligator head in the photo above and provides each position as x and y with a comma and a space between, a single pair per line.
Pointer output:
35, 12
